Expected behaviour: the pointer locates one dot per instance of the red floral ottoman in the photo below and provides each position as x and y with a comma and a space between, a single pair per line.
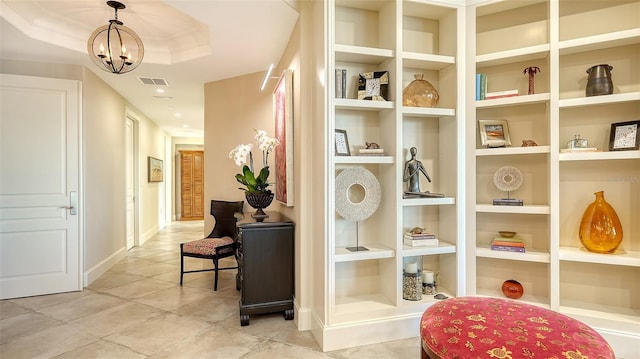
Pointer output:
476, 327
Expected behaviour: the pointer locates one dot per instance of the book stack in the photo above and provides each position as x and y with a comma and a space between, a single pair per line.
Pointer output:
371, 152
507, 244
500, 94
508, 202
420, 239
341, 83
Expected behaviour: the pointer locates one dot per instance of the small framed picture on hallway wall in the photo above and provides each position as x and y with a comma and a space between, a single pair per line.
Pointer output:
283, 117
155, 169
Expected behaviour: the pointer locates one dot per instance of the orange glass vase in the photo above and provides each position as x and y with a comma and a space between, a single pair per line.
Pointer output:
600, 228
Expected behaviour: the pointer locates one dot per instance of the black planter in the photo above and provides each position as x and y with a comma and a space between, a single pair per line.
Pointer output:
259, 201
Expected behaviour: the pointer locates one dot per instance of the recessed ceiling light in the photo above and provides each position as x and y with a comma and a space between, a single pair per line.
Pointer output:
160, 90
178, 114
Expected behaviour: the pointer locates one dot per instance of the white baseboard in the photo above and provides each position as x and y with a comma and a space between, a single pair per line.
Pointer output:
101, 268
625, 345
303, 317
149, 234
338, 337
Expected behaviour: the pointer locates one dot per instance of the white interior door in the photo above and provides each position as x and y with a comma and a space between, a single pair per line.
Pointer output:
40, 248
131, 181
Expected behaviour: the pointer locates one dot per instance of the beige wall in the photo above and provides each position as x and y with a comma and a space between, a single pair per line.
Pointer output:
103, 181
233, 108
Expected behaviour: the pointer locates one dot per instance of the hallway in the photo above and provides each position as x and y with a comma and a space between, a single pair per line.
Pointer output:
138, 310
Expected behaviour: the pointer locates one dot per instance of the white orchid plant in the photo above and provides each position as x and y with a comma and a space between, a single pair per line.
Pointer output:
240, 154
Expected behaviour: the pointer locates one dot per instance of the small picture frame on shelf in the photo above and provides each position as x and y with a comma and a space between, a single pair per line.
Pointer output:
342, 143
624, 136
373, 86
494, 133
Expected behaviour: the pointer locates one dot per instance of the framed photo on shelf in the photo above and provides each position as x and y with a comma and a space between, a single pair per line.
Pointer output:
494, 133
342, 143
155, 169
373, 86
624, 136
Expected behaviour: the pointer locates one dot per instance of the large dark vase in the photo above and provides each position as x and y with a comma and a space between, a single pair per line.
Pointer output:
259, 201
599, 80
600, 228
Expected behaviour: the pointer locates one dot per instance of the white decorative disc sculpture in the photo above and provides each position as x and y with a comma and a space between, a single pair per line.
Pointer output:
357, 211
508, 179
357, 197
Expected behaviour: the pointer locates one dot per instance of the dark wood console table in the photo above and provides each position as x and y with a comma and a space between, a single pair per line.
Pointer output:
265, 266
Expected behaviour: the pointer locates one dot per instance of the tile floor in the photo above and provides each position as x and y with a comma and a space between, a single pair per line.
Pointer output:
138, 310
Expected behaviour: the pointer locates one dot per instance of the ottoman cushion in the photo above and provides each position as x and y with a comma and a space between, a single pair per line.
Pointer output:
477, 327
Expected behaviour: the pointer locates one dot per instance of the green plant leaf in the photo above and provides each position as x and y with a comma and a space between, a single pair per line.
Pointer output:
263, 176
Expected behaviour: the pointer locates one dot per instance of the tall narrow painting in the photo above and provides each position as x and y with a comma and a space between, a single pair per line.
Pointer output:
283, 114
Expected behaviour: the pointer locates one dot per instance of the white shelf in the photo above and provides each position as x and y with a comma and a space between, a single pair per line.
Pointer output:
426, 61
622, 258
499, 6
428, 112
360, 54
599, 100
600, 156
363, 159
362, 105
528, 256
441, 248
357, 308
406, 202
427, 300
604, 317
513, 101
599, 42
512, 56
502, 151
364, 5
542, 302
526, 209
376, 251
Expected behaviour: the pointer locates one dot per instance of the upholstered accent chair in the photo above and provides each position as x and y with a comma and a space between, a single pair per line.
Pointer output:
220, 243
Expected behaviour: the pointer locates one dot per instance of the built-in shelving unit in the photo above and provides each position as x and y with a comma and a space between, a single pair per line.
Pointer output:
404, 38
449, 44
563, 38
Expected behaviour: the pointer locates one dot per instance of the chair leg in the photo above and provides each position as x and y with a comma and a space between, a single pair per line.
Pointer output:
215, 281
181, 264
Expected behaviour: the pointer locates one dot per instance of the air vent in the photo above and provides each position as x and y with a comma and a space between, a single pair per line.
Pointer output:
153, 81
164, 97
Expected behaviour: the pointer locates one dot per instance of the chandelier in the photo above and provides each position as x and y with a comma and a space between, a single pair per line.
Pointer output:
115, 48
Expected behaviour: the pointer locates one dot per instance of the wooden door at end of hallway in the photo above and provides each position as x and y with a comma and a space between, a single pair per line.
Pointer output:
192, 185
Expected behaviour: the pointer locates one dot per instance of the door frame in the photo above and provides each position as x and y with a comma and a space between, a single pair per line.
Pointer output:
129, 115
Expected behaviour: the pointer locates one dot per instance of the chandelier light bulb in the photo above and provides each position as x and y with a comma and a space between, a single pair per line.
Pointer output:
117, 37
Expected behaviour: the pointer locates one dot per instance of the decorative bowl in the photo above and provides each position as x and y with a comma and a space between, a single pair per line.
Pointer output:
512, 289
507, 234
